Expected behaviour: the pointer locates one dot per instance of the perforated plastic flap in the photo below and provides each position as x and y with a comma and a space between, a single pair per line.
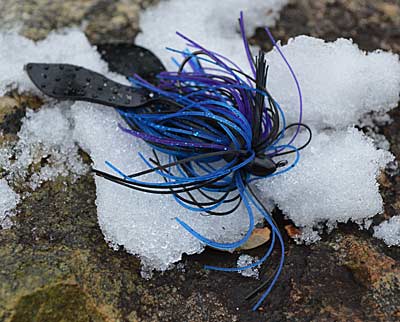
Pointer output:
70, 82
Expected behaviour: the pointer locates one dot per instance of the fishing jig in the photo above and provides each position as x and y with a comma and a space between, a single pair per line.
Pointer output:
216, 128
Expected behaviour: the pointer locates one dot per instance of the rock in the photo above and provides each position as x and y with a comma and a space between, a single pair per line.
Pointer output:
12, 110
377, 272
47, 265
104, 21
371, 24
55, 264
55, 257
43, 304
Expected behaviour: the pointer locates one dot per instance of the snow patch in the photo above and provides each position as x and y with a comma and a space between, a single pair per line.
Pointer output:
339, 82
245, 260
211, 23
45, 143
143, 223
8, 201
69, 46
389, 231
335, 180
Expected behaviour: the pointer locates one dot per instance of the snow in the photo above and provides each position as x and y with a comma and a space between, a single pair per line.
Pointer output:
310, 234
334, 181
9, 200
245, 260
143, 223
204, 21
45, 137
339, 82
389, 231
69, 46
44, 134
370, 124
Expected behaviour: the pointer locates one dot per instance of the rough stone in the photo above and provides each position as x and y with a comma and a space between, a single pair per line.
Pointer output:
12, 109
104, 21
56, 266
372, 24
377, 272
